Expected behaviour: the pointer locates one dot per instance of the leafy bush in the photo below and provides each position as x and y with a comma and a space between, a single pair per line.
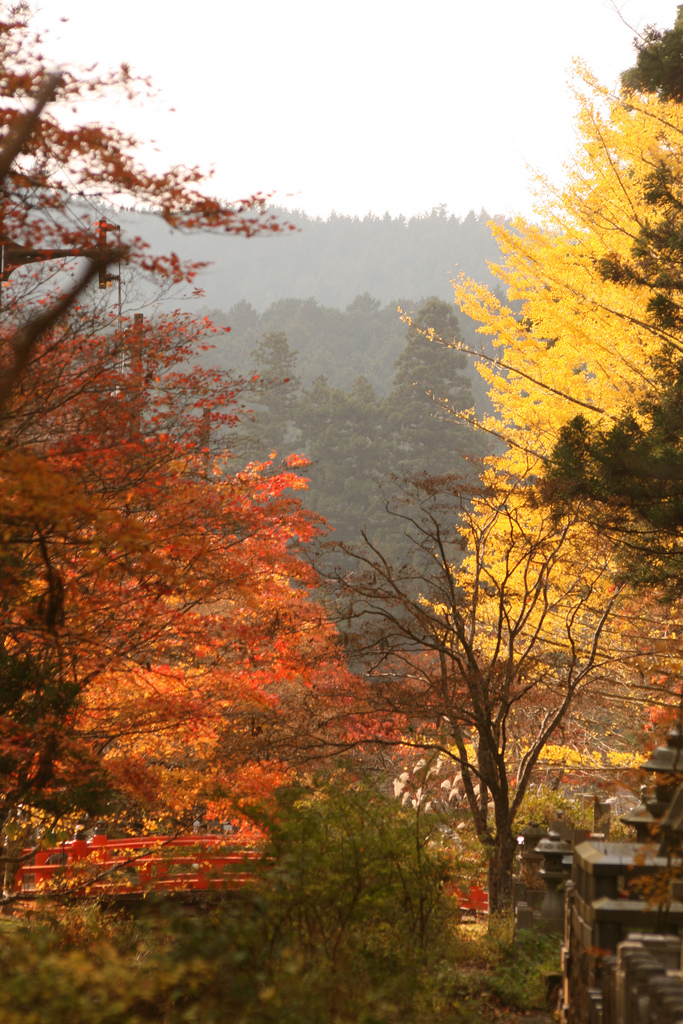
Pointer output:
520, 978
348, 921
544, 805
511, 970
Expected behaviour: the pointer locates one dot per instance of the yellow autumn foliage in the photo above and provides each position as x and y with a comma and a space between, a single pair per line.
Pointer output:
562, 755
583, 343
571, 339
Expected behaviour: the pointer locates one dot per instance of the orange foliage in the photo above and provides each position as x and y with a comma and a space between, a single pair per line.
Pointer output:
168, 591
154, 606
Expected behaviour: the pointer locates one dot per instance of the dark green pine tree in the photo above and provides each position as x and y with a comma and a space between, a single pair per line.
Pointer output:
343, 434
424, 438
276, 395
629, 480
659, 65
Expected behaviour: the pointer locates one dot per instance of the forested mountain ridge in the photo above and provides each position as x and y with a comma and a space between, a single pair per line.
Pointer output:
333, 286
332, 260
341, 257
312, 318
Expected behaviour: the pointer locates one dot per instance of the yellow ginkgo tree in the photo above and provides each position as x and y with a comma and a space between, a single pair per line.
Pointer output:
587, 379
535, 627
598, 281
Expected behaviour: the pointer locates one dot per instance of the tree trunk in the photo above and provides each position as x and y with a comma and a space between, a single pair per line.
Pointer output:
500, 872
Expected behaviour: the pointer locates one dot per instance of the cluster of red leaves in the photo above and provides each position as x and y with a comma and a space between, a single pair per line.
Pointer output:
167, 591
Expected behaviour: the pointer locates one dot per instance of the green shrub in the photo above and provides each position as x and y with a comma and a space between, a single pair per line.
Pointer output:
513, 970
347, 922
520, 978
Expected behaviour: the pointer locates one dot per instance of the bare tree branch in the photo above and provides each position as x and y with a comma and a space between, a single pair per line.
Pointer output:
26, 126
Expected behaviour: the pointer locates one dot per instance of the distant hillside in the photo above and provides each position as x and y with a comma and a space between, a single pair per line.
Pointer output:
332, 286
333, 260
335, 374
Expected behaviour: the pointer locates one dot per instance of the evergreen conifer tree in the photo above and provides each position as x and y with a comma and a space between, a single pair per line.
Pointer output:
423, 437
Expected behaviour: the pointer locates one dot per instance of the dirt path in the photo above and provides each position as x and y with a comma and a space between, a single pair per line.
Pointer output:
518, 1017
484, 1011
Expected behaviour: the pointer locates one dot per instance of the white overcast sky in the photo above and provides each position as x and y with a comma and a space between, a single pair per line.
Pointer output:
368, 105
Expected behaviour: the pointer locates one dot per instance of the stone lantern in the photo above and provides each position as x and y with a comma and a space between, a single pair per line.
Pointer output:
671, 826
528, 888
530, 859
666, 763
640, 818
556, 870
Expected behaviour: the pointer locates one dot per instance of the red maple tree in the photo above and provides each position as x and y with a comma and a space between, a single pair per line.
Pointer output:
154, 604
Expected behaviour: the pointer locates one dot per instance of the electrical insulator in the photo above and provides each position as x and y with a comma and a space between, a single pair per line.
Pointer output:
105, 278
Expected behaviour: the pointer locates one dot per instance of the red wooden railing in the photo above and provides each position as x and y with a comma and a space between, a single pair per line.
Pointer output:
476, 899
100, 865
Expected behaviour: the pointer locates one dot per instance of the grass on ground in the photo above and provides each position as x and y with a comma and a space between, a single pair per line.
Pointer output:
499, 976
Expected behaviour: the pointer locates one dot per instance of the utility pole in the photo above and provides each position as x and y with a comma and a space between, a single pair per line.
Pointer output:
103, 226
14, 255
